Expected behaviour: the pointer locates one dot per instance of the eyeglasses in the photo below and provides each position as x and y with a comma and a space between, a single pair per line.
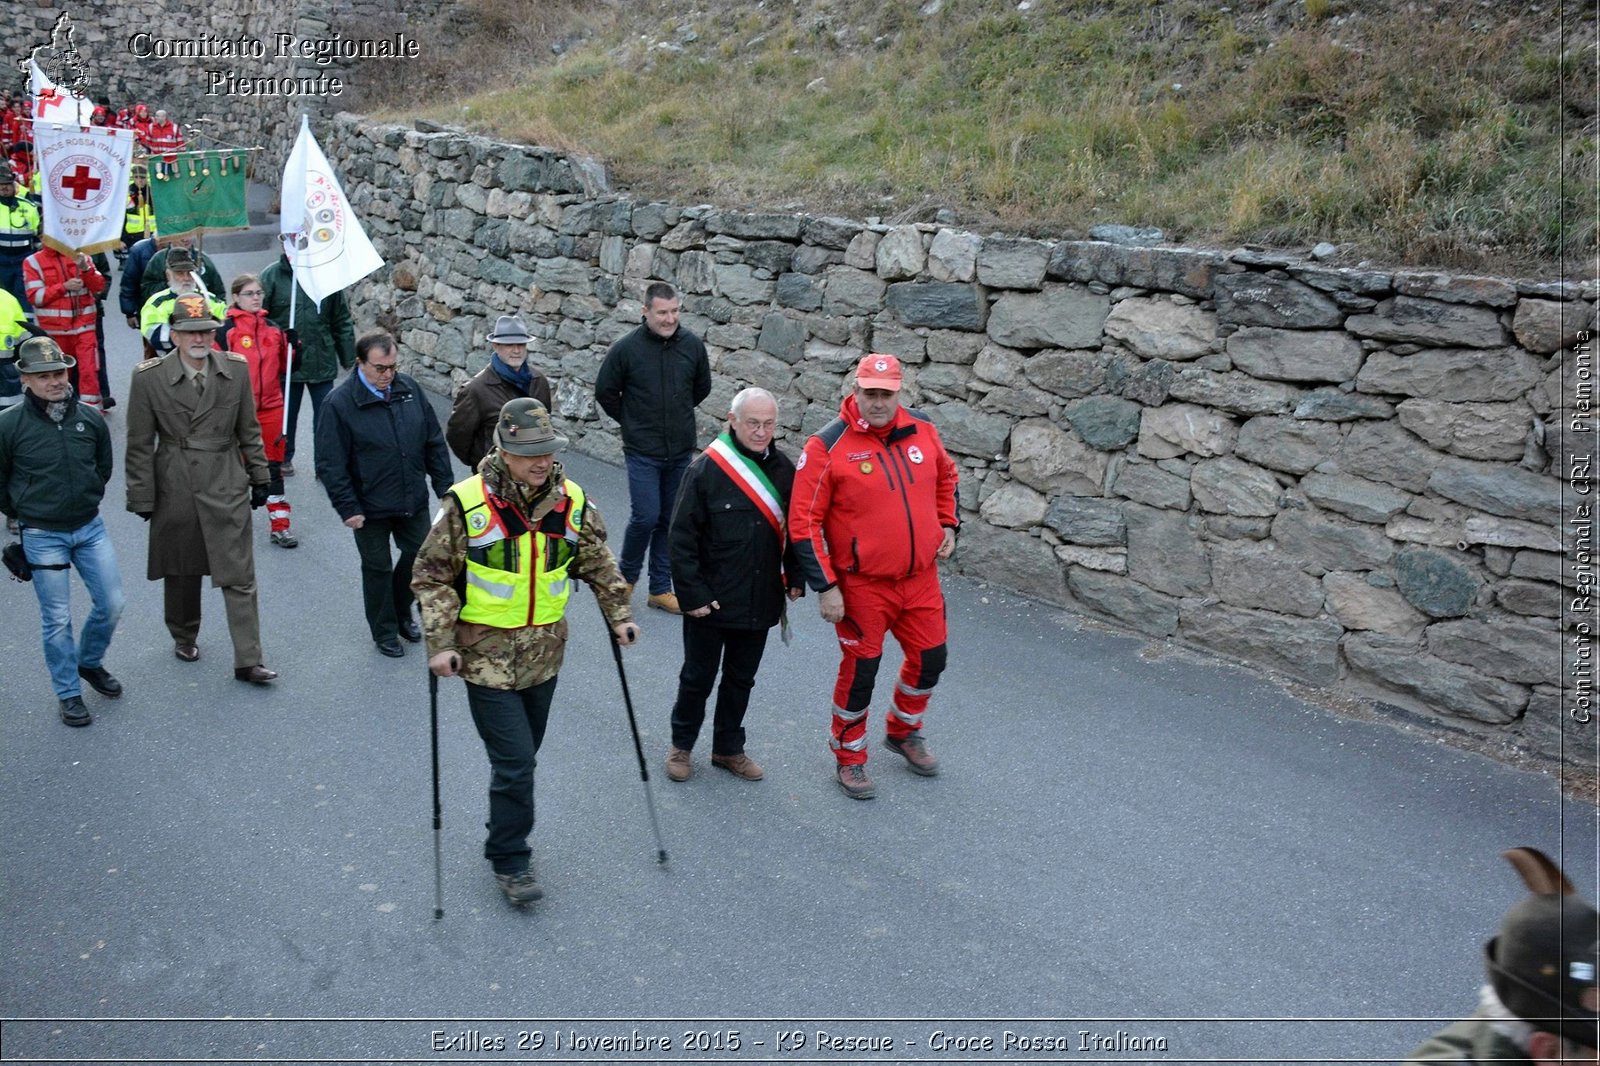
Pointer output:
382, 368
750, 423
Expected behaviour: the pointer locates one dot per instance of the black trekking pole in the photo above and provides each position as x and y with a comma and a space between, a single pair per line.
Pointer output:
638, 746
438, 817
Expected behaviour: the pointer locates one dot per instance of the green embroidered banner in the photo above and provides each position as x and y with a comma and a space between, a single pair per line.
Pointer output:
198, 192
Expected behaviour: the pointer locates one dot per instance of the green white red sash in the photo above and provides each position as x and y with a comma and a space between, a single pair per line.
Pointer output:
750, 478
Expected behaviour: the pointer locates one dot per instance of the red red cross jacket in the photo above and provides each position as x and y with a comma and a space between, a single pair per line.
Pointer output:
872, 502
164, 138
252, 335
45, 274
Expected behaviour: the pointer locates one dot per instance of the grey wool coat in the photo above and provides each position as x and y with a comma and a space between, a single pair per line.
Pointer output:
190, 463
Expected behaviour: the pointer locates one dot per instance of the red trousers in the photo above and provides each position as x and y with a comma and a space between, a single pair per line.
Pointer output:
83, 348
912, 609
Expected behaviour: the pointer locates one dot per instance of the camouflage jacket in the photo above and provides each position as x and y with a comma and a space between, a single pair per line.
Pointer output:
509, 658
1472, 1040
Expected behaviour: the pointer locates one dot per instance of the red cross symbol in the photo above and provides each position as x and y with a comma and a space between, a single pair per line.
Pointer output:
81, 182
50, 98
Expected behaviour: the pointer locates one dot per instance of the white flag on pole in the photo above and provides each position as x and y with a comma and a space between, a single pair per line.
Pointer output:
84, 181
52, 103
322, 237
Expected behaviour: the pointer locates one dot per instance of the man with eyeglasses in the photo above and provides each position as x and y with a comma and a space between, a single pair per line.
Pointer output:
732, 565
378, 445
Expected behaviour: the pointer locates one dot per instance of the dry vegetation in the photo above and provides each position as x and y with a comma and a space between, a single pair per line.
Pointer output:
1457, 134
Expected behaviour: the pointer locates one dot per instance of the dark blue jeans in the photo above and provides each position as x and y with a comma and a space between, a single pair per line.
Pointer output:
511, 724
652, 490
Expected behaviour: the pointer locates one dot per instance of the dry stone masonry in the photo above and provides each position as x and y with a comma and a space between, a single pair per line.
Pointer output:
1353, 478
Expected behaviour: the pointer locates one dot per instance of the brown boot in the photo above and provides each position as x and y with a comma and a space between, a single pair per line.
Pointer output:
741, 764
679, 768
919, 760
664, 601
855, 782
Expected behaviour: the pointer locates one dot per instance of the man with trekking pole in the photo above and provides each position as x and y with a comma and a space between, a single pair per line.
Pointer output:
493, 579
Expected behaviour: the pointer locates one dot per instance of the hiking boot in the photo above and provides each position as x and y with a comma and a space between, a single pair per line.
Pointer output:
664, 601
284, 539
286, 468
73, 712
520, 888
679, 768
918, 758
741, 765
855, 782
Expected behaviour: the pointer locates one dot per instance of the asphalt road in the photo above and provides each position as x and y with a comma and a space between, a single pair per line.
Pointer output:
1125, 840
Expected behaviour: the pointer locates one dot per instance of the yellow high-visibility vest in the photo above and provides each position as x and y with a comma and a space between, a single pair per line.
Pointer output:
516, 581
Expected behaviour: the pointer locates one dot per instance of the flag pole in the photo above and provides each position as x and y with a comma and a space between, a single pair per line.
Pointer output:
294, 296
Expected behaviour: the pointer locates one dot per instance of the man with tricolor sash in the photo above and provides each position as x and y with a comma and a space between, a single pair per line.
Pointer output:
732, 566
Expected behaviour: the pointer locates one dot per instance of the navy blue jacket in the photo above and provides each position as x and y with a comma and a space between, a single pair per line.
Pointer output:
375, 458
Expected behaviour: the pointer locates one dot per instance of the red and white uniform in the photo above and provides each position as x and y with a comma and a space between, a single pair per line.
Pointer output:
265, 349
869, 511
68, 317
163, 138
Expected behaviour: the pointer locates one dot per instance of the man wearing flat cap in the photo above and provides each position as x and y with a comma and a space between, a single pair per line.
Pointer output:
378, 446
55, 459
493, 579
195, 469
1540, 1002
509, 375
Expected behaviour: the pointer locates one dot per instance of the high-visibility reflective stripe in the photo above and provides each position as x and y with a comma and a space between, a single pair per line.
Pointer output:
908, 719
859, 744
912, 691
559, 588
499, 590
53, 312
487, 538
849, 716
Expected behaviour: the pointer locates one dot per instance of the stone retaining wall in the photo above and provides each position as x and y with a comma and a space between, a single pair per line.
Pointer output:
1358, 479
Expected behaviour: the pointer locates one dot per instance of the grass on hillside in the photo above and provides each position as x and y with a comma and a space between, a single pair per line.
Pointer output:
1411, 140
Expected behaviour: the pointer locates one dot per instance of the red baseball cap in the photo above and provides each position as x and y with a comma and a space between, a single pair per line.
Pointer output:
878, 370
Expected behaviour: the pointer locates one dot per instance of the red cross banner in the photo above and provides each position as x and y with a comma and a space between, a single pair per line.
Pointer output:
52, 103
84, 181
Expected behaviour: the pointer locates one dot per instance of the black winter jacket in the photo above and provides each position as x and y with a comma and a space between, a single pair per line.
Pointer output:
376, 458
53, 475
723, 549
651, 386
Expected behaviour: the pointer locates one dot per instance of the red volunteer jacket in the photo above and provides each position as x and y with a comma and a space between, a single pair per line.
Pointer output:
253, 336
871, 502
45, 274
163, 139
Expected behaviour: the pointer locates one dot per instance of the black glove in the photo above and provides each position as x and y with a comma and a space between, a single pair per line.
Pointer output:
258, 496
293, 337
144, 514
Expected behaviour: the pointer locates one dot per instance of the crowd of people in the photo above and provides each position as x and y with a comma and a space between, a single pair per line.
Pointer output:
728, 534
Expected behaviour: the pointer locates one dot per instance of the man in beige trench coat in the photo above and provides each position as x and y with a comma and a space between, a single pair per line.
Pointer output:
195, 469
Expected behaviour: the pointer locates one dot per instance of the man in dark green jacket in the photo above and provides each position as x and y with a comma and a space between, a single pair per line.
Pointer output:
55, 459
324, 343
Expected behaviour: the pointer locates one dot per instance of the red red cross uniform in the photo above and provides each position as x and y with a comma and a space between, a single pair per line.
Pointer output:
68, 317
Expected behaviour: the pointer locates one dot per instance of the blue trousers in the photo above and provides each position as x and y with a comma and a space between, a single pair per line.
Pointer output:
652, 490
88, 550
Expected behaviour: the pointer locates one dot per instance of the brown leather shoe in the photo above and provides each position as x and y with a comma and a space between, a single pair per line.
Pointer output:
740, 764
256, 675
679, 768
919, 760
187, 652
664, 601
